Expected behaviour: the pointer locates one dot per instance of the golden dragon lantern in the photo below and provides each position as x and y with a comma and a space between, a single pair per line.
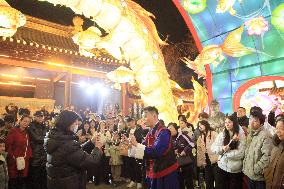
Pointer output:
131, 35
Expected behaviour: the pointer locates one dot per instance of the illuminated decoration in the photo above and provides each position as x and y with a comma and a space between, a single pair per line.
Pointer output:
194, 6
87, 40
277, 17
275, 91
198, 69
200, 101
121, 75
16, 84
226, 5
117, 86
10, 19
25, 77
74, 67
181, 95
191, 101
211, 28
125, 23
78, 24
9, 75
214, 53
264, 95
257, 26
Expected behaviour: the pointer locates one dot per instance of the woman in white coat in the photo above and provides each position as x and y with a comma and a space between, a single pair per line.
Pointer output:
230, 146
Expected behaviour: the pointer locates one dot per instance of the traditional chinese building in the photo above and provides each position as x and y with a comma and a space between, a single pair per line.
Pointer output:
42, 62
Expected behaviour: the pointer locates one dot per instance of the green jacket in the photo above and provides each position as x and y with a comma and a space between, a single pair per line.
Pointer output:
3, 171
257, 154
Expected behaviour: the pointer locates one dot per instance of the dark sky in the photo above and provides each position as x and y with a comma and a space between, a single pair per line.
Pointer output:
168, 22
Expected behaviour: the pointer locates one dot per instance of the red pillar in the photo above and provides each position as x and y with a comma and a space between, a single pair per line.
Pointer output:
124, 99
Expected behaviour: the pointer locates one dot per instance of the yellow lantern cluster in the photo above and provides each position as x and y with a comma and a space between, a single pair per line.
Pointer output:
10, 19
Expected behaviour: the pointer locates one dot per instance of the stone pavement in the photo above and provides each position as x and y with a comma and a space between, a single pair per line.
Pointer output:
102, 186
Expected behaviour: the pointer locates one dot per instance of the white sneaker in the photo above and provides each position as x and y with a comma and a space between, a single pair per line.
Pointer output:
131, 184
139, 186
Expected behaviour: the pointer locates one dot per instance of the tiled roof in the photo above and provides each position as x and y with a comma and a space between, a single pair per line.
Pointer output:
55, 37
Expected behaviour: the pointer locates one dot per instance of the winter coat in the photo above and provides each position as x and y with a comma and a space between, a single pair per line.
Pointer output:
257, 154
203, 148
189, 131
17, 143
3, 171
196, 134
274, 173
183, 143
232, 160
66, 161
37, 133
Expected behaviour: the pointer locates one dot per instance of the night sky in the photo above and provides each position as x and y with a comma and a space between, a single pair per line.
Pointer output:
168, 19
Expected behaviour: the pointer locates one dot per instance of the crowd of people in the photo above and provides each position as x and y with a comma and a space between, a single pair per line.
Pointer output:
65, 150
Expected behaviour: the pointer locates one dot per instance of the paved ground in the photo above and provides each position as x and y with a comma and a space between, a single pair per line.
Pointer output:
102, 186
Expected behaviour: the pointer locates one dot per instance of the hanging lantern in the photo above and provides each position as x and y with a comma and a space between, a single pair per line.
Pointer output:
277, 17
194, 6
10, 19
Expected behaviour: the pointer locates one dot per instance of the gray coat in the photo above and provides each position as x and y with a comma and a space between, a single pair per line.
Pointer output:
257, 155
3, 171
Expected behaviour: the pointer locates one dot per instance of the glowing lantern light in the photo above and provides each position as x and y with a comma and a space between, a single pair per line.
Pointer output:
121, 75
10, 20
277, 17
194, 6
257, 26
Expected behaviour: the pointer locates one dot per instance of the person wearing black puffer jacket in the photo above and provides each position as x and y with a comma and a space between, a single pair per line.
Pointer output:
37, 173
67, 162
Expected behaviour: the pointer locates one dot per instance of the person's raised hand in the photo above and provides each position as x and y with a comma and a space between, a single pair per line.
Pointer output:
236, 137
133, 140
274, 108
123, 149
98, 142
124, 140
226, 148
123, 152
183, 153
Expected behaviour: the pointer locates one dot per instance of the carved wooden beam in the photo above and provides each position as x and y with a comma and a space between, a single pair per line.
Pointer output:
45, 66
